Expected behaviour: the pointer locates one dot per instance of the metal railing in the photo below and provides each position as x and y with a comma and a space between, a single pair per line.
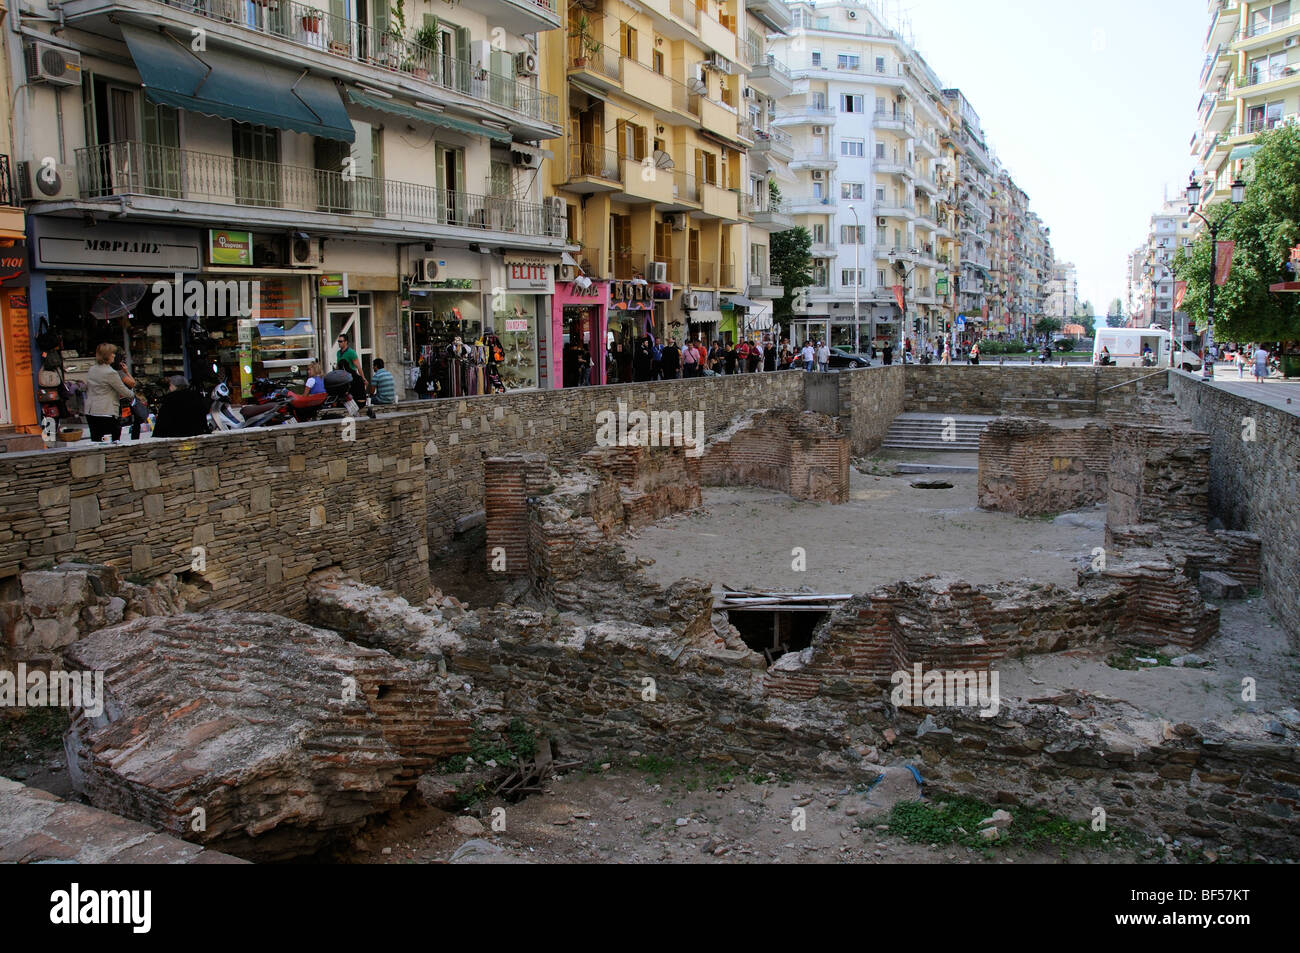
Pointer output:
1262, 25
625, 265
586, 159
604, 59
686, 11
685, 188
311, 27
8, 190
136, 168
703, 273
726, 275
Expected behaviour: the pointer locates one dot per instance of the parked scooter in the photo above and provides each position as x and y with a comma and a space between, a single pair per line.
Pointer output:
224, 415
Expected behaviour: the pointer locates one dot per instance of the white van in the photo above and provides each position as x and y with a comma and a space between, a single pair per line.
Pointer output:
1126, 346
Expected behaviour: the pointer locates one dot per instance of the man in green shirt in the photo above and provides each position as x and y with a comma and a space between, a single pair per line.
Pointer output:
348, 360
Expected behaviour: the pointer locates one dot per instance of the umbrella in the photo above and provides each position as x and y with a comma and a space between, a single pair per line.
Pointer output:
118, 301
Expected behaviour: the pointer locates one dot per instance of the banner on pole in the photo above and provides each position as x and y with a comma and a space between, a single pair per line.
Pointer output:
898, 296
1180, 292
1223, 253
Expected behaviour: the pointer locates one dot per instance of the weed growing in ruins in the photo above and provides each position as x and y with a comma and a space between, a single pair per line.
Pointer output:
30, 735
518, 743
1131, 660
957, 821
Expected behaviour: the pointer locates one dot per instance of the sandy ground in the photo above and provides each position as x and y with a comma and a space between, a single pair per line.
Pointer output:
685, 815
888, 532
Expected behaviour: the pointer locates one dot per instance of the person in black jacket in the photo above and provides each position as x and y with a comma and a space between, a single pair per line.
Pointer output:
182, 411
670, 360
644, 361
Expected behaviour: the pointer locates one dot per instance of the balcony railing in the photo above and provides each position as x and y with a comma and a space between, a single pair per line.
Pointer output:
704, 273
626, 265
8, 193
726, 275
604, 60
586, 159
311, 27
685, 188
136, 168
1259, 26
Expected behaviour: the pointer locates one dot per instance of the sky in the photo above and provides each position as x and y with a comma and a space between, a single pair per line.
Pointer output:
1090, 106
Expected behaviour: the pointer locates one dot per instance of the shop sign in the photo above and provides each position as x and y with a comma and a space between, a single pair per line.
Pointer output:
516, 325
663, 292
69, 245
530, 274
332, 286
630, 296
226, 247
13, 265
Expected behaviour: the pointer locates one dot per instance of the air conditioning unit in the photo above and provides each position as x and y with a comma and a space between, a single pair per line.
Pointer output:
818, 175
659, 271
304, 252
568, 272
853, 14
819, 130
47, 63
691, 301
677, 221
45, 182
1291, 41
525, 64
525, 159
749, 92
426, 269
882, 222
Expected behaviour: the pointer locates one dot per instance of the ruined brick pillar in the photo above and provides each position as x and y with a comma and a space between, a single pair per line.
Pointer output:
508, 483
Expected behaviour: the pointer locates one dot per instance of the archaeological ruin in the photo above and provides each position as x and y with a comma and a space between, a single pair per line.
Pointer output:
283, 654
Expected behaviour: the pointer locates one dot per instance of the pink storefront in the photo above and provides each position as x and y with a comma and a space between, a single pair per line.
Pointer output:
578, 317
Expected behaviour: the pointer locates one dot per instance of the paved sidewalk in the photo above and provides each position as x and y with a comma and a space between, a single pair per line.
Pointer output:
1277, 393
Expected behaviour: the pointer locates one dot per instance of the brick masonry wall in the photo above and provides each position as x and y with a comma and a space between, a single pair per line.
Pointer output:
508, 482
990, 390
1254, 486
1030, 467
870, 399
1158, 476
805, 455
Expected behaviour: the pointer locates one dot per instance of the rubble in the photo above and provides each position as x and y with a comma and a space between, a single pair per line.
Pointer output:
252, 733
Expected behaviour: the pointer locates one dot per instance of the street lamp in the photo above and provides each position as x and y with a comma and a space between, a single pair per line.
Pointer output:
1193, 200
906, 274
857, 274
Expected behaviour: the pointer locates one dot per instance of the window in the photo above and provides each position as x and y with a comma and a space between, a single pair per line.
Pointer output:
853, 191
1267, 68
850, 278
822, 23
848, 61
1266, 19
627, 42
853, 234
758, 260
819, 191
853, 147
880, 195
631, 140
816, 58
706, 167
880, 277
880, 105
850, 103
819, 102
880, 64
819, 234
882, 236
880, 150
657, 62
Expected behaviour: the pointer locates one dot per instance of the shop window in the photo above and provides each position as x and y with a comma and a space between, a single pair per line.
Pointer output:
515, 327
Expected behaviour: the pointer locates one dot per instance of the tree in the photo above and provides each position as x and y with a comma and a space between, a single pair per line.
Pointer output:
791, 260
1265, 228
1115, 317
1085, 309
1047, 325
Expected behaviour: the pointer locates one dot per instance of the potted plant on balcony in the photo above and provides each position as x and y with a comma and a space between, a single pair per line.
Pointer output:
311, 21
427, 56
588, 45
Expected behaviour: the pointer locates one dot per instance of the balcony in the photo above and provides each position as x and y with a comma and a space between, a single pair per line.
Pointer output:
625, 265
807, 162
769, 76
811, 205
645, 183
728, 278
685, 192
1261, 31
776, 142
702, 274
804, 115
894, 122
720, 203
894, 167
12, 218
178, 183
895, 209
300, 35
765, 286
592, 170
775, 216
824, 250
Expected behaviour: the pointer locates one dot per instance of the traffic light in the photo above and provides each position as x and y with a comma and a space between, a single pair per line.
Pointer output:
916, 326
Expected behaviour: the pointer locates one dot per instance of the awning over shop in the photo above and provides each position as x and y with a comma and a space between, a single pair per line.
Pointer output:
228, 85
567, 259
740, 301
708, 317
395, 107
1242, 152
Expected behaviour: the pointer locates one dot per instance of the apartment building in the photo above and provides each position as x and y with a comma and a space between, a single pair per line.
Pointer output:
872, 142
1169, 231
365, 169
1063, 292
1250, 82
663, 171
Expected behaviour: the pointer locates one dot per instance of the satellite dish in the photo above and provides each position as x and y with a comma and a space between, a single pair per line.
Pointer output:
663, 160
699, 87
118, 301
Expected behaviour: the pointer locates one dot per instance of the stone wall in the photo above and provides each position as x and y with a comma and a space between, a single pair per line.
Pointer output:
990, 390
1254, 486
870, 399
1158, 475
1030, 467
804, 455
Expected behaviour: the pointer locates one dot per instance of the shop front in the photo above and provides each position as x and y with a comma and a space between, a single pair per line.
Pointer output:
632, 316
579, 324
17, 390
517, 339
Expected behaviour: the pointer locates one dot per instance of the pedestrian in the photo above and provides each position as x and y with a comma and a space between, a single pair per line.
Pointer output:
1241, 363
670, 361
1261, 364
643, 362
346, 359
752, 358
823, 357
182, 412
315, 379
690, 361
809, 355
888, 351
385, 388
104, 391
975, 353
730, 358
947, 353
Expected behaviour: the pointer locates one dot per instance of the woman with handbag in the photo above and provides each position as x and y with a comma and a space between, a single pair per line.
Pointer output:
104, 389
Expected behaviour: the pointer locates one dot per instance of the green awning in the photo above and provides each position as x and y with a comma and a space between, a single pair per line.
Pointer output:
1243, 152
232, 85
396, 107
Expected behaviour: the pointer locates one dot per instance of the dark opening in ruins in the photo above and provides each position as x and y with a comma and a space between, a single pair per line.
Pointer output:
932, 485
774, 633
